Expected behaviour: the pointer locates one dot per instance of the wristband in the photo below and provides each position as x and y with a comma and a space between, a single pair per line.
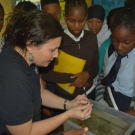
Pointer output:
65, 103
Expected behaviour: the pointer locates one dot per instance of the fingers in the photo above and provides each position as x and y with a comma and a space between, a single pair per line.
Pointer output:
82, 99
86, 129
74, 76
86, 111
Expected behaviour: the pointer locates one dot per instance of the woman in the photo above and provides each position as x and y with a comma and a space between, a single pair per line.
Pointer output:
32, 39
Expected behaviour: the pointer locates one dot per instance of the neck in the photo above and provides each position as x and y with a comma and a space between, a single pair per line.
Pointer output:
25, 54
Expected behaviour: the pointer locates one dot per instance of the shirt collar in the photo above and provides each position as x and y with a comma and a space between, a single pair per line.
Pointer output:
72, 36
18, 59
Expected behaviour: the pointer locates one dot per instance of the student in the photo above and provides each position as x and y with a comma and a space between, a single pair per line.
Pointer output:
119, 81
1, 21
52, 7
95, 23
32, 39
107, 42
81, 44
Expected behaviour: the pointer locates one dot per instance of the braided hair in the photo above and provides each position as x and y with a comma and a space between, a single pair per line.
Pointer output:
75, 3
125, 18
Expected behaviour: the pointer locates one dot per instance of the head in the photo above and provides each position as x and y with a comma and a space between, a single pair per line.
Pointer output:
27, 6
52, 7
111, 16
75, 16
1, 16
129, 3
35, 34
95, 19
123, 31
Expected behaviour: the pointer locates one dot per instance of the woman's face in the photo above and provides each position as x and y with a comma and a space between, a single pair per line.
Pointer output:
123, 40
75, 19
94, 25
45, 53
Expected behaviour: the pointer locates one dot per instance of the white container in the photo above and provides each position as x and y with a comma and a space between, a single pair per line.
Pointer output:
104, 121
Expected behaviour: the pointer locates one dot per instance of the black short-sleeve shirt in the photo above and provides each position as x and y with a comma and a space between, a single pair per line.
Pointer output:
20, 99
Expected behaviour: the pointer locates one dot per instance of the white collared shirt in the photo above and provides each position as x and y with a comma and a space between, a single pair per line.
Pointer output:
72, 36
124, 82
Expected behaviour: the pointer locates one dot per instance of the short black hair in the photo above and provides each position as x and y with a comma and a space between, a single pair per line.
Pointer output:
75, 3
125, 18
27, 6
45, 2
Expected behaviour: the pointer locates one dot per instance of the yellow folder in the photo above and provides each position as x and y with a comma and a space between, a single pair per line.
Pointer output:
66, 63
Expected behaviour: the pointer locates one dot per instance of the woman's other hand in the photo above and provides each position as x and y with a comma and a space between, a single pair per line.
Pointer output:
80, 112
79, 100
76, 132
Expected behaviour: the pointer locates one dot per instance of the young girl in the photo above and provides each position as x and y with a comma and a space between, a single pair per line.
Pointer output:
119, 82
81, 44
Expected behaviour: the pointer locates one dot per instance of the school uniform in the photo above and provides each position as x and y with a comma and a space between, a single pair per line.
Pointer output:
84, 47
123, 86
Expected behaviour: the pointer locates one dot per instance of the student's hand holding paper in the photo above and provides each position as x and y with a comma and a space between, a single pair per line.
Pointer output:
81, 79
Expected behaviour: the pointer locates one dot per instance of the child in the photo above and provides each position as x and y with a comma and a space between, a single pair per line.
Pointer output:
79, 43
52, 7
119, 81
1, 21
95, 23
107, 42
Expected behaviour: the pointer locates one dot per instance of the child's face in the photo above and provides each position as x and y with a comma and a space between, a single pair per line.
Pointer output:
123, 40
1, 19
75, 19
94, 25
53, 9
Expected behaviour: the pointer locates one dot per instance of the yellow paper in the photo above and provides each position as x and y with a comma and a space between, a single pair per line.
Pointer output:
66, 63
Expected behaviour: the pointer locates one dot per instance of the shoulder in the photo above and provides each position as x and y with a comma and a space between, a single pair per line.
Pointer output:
89, 34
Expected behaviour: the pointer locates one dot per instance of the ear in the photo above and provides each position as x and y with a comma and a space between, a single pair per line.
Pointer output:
30, 46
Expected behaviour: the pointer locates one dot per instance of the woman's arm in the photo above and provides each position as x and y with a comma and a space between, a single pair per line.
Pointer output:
51, 100
45, 126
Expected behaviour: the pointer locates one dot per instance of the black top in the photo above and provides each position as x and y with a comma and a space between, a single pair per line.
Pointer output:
20, 99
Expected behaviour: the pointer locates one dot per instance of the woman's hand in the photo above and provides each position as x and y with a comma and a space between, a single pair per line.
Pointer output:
76, 132
80, 112
79, 100
81, 79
